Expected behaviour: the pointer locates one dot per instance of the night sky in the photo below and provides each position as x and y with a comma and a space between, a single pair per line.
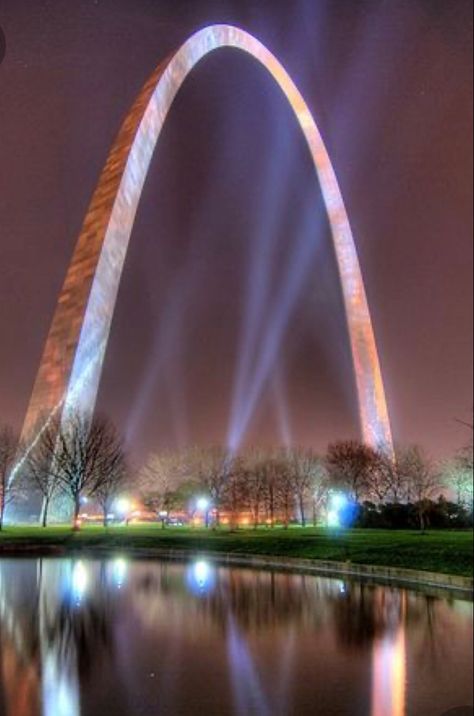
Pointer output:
390, 85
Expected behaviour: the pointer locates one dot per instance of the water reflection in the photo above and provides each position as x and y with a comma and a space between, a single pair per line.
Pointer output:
79, 638
200, 577
389, 663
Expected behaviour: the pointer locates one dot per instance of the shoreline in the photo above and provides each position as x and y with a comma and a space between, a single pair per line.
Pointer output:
443, 584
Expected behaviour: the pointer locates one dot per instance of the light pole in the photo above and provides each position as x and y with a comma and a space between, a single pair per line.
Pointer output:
203, 504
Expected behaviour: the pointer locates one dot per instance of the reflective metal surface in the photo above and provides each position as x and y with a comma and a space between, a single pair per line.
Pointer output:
71, 364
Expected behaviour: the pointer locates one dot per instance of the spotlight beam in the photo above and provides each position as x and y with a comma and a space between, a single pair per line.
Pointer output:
298, 271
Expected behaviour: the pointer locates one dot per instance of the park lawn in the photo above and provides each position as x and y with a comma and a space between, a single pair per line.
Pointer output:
443, 551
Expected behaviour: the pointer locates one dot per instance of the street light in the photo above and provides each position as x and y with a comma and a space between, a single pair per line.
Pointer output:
203, 504
338, 510
123, 507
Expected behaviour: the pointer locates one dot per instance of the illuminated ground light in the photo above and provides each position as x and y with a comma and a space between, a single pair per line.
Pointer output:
123, 507
341, 511
71, 364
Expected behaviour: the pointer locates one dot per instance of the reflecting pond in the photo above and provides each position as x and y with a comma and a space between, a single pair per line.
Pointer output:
142, 638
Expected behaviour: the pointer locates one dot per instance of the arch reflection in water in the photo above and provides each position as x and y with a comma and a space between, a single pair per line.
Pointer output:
389, 666
163, 637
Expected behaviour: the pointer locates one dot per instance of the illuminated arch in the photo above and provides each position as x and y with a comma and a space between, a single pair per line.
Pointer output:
70, 368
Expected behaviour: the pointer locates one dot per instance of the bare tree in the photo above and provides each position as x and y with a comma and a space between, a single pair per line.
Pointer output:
272, 482
386, 481
112, 473
306, 472
85, 455
159, 481
285, 492
350, 466
9, 488
270, 468
457, 477
38, 471
236, 492
422, 480
319, 487
464, 463
255, 484
211, 467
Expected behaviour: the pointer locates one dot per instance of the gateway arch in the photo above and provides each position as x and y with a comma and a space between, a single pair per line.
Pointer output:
69, 373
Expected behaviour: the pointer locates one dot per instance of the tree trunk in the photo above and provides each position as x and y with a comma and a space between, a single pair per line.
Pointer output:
314, 513
44, 517
302, 514
105, 516
272, 509
422, 520
77, 507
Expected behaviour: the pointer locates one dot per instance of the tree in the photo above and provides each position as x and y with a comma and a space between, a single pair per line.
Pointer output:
457, 477
38, 470
112, 475
211, 467
9, 453
255, 484
350, 466
305, 479
319, 487
386, 480
462, 472
86, 456
421, 478
285, 493
271, 467
160, 480
236, 492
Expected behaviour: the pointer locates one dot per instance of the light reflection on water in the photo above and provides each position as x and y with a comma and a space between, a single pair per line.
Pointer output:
80, 638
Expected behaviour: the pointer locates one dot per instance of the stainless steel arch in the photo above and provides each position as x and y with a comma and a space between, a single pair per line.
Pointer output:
70, 368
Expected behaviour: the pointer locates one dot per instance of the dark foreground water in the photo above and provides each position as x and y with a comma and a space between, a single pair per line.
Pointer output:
132, 638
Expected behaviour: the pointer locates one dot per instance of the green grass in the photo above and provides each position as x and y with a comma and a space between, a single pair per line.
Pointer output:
443, 551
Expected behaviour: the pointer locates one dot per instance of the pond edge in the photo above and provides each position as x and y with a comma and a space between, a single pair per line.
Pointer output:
397, 576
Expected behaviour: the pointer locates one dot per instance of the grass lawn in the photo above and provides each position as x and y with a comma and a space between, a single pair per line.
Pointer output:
444, 551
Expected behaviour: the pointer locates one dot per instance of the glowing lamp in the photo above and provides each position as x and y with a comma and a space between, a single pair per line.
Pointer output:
338, 501
202, 504
123, 506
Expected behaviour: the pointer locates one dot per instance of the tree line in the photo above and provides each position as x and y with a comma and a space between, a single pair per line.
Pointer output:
63, 462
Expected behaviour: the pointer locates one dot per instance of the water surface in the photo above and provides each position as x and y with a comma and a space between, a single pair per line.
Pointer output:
143, 638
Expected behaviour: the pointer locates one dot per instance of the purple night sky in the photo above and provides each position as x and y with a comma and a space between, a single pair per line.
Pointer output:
390, 85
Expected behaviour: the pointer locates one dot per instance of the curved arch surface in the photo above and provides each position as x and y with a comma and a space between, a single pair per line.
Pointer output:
70, 369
